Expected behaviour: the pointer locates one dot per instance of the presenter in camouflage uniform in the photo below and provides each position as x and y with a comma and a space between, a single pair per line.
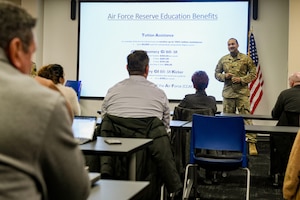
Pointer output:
237, 70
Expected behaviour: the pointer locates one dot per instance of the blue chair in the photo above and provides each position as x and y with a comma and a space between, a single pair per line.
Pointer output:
76, 85
180, 138
216, 133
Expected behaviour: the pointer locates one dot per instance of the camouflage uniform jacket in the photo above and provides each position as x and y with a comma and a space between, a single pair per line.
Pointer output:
241, 66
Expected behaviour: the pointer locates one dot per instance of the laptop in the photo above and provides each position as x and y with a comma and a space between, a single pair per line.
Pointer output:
84, 128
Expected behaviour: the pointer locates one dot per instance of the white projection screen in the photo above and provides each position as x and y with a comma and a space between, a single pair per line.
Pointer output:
179, 37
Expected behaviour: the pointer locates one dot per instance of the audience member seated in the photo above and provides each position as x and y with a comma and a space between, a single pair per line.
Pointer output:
199, 103
49, 84
286, 110
39, 158
55, 72
33, 72
136, 107
200, 99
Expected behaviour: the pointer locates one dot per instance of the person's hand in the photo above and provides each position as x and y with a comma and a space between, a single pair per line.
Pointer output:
228, 75
236, 79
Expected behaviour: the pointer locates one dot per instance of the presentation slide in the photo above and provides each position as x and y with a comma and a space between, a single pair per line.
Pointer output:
179, 37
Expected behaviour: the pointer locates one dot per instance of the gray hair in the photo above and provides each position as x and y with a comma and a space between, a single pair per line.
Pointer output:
137, 62
15, 22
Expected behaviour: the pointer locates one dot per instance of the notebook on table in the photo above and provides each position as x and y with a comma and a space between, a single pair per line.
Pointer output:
84, 128
76, 85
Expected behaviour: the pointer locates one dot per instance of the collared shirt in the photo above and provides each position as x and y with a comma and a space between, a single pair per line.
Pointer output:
241, 66
137, 97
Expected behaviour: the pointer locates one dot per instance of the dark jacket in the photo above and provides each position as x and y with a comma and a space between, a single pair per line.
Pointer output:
155, 164
287, 107
186, 114
199, 100
181, 137
287, 111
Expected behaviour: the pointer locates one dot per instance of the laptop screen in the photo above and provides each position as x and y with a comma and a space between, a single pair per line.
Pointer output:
84, 126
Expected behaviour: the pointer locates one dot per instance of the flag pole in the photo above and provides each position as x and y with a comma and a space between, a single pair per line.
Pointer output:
249, 34
250, 31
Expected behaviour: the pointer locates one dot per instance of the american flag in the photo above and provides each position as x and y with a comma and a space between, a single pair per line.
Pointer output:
256, 90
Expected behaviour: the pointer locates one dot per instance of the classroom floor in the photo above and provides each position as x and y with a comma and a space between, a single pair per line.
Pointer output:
233, 187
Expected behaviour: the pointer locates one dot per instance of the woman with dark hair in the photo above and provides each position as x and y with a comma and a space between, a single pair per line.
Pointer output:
55, 72
199, 99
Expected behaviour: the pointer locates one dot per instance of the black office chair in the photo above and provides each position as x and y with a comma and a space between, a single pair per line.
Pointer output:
222, 134
152, 162
181, 137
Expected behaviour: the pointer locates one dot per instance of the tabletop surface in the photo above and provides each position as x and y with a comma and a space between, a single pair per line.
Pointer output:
261, 128
248, 116
271, 129
117, 190
177, 123
127, 146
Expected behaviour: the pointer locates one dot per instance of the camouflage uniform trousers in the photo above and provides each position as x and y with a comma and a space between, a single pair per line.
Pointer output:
242, 104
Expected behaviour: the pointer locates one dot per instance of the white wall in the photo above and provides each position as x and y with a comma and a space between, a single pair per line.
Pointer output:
60, 36
36, 9
294, 39
271, 35
271, 31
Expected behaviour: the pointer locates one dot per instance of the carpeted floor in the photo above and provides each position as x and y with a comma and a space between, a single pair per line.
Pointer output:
233, 187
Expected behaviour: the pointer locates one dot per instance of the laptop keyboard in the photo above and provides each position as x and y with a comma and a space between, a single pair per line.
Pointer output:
82, 140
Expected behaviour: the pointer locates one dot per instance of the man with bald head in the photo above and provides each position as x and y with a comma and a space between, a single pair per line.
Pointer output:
287, 111
288, 101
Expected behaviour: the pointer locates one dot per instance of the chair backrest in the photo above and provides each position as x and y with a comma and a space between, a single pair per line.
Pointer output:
186, 114
221, 133
76, 85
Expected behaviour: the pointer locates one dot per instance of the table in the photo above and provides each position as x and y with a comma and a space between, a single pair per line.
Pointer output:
261, 128
128, 147
177, 123
271, 129
188, 125
253, 117
249, 116
117, 190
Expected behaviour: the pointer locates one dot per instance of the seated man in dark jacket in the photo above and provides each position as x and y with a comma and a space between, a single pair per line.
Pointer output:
287, 111
136, 107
